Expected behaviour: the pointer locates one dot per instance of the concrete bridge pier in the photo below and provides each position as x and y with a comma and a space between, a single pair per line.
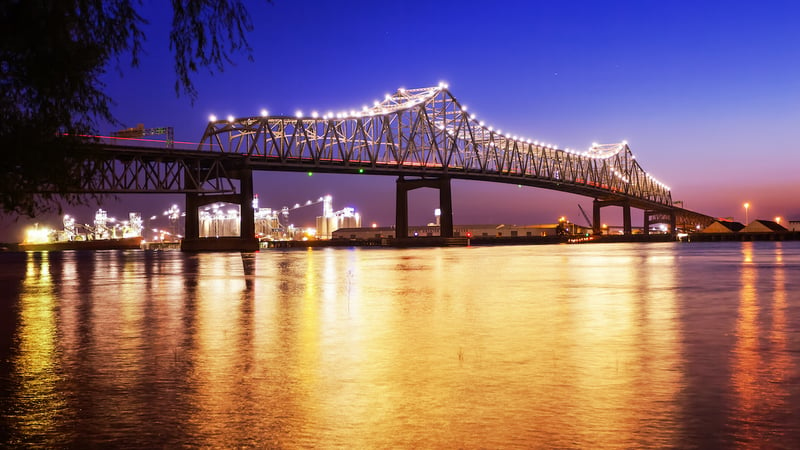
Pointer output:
445, 204
597, 227
246, 241
192, 220
667, 217
626, 219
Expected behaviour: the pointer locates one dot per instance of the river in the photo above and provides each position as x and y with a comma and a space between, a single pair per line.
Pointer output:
681, 345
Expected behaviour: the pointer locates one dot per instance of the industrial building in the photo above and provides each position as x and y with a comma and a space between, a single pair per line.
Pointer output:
331, 220
222, 219
723, 226
486, 230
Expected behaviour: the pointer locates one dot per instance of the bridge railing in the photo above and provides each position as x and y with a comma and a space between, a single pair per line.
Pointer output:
127, 165
151, 143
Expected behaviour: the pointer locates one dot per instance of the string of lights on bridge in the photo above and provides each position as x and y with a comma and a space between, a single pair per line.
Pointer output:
391, 103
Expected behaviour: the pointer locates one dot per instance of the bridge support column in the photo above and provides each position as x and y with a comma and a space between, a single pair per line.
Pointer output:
673, 223
668, 220
192, 219
445, 204
247, 226
246, 241
401, 209
597, 227
626, 219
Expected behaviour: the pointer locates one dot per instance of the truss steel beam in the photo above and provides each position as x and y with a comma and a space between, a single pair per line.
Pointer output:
427, 132
114, 169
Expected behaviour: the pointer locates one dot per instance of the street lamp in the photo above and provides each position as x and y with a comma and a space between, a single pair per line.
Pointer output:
746, 216
173, 214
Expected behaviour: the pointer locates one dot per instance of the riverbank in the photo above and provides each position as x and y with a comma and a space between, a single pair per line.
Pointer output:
435, 241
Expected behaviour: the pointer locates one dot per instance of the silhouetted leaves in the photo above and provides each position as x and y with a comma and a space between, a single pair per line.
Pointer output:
52, 56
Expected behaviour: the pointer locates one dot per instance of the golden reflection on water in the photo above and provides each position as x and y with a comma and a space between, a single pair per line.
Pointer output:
424, 347
613, 373
218, 352
761, 363
36, 365
554, 346
501, 355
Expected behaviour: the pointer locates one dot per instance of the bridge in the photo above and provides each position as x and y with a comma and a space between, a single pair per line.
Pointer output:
424, 137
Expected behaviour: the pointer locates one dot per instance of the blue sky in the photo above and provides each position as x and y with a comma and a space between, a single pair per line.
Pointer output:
706, 93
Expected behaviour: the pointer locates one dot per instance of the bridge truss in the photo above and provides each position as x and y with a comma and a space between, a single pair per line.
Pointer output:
116, 167
426, 132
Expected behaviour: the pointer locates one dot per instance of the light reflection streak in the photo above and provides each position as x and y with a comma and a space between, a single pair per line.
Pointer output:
779, 332
217, 354
407, 365
761, 360
36, 366
69, 309
625, 371
747, 359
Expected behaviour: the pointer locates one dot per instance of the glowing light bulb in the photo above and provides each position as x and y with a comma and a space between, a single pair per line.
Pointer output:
264, 113
230, 118
212, 118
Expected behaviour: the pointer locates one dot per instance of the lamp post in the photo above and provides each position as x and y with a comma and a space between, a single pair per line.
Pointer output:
173, 214
746, 216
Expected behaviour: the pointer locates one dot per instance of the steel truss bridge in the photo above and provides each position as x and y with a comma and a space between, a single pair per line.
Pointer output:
424, 137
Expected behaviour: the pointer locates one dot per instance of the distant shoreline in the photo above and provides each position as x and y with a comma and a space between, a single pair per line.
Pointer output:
511, 240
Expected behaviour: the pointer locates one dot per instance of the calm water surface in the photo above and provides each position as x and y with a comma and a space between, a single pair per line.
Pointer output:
583, 346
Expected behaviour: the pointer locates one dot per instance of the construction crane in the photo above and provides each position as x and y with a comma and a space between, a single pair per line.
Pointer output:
584, 215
